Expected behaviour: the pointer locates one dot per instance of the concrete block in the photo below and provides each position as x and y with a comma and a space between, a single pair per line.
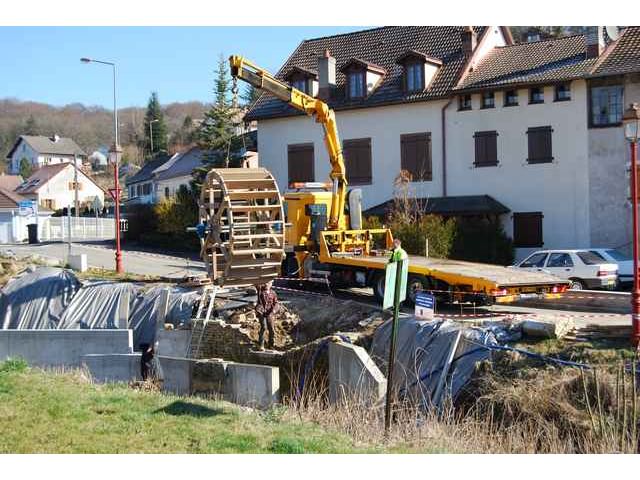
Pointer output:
177, 374
117, 367
78, 262
173, 343
54, 348
253, 385
556, 328
353, 376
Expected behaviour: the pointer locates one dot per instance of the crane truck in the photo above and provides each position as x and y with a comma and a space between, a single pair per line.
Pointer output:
322, 237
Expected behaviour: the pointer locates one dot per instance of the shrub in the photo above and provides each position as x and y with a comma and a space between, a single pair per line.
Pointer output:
142, 221
476, 239
174, 216
482, 240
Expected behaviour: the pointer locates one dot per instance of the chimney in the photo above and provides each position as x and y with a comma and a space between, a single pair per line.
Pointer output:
469, 41
326, 75
595, 41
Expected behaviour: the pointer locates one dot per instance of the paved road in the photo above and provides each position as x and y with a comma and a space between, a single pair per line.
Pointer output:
145, 263
142, 263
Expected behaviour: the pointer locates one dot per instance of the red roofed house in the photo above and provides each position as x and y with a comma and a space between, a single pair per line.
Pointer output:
529, 133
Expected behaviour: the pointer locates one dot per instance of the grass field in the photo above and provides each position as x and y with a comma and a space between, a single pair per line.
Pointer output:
44, 412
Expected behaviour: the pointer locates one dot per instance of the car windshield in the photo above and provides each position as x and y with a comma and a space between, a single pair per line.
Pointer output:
617, 255
591, 258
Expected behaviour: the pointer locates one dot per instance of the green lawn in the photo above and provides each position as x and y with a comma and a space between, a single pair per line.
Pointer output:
43, 412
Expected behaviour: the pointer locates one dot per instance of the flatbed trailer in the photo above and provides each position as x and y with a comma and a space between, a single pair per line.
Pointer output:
449, 280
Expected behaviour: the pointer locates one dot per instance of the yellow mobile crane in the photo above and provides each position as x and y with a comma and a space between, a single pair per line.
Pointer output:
245, 214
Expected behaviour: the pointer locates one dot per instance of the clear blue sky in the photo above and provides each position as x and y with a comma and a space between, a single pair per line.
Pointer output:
42, 63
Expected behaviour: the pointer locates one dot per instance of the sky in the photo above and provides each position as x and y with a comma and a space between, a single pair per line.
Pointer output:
43, 63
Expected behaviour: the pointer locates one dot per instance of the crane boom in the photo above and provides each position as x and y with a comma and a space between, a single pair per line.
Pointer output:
254, 75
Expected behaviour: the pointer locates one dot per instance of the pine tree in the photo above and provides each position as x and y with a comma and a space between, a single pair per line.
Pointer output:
31, 126
159, 127
26, 170
249, 95
216, 134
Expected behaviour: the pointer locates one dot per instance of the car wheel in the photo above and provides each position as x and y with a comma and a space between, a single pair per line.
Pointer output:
576, 284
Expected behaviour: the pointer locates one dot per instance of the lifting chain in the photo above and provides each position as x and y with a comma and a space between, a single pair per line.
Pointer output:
234, 92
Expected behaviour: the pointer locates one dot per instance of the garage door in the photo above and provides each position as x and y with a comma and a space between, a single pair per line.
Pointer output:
5, 232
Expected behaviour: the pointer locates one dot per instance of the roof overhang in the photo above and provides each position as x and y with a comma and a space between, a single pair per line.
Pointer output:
415, 54
359, 63
460, 206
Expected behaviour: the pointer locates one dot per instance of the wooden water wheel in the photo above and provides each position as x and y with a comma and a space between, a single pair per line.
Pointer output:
242, 210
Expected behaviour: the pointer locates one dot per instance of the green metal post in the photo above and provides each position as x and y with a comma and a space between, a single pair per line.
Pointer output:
392, 347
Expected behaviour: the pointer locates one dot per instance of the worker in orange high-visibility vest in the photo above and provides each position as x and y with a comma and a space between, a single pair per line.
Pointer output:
398, 253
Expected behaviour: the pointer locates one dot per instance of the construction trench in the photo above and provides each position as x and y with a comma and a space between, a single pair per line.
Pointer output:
327, 348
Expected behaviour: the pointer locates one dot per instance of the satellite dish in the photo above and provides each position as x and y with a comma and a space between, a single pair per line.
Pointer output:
613, 32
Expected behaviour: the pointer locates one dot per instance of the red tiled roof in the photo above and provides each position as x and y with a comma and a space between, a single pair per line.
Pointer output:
9, 199
382, 47
10, 182
533, 62
624, 56
40, 177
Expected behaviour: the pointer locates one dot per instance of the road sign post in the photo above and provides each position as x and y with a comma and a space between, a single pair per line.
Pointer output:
396, 288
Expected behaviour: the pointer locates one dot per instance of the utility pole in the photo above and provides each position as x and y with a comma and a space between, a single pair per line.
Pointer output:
115, 153
75, 184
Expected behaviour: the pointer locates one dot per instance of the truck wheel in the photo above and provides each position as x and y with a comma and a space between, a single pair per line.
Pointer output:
415, 283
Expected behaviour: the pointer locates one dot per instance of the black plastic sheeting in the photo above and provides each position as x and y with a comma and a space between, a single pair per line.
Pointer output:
37, 299
421, 353
52, 298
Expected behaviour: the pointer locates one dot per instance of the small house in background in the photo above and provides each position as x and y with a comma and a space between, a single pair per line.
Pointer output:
53, 187
98, 161
41, 151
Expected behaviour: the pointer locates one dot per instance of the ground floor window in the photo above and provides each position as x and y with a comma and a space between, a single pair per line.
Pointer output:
527, 229
301, 163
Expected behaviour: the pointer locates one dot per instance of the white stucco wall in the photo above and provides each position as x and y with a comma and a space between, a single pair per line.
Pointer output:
173, 184
383, 125
559, 189
36, 159
608, 188
58, 189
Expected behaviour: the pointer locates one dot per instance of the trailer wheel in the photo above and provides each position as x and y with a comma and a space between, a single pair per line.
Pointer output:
415, 284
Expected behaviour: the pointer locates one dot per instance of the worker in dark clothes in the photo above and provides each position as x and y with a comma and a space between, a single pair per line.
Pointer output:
266, 309
147, 366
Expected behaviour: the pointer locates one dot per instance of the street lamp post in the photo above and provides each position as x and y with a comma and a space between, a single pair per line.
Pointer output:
151, 133
115, 153
631, 120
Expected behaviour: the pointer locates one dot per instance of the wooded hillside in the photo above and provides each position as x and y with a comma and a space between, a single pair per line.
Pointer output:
90, 126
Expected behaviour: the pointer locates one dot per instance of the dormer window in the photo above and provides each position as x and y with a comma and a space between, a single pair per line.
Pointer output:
415, 77
362, 77
355, 80
419, 70
304, 80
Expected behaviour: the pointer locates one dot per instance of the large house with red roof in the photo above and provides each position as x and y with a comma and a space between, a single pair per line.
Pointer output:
529, 133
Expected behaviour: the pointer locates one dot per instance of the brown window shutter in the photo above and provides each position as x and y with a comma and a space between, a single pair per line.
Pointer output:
415, 155
540, 144
527, 230
357, 157
486, 146
301, 163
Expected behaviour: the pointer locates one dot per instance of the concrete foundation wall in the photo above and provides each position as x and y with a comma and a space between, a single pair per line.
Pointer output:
52, 348
244, 384
173, 343
253, 385
117, 367
353, 375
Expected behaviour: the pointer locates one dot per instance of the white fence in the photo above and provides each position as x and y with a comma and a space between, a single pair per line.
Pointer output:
82, 228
